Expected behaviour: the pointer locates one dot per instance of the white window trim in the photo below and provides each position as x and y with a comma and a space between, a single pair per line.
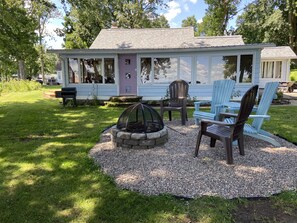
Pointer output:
194, 65
102, 67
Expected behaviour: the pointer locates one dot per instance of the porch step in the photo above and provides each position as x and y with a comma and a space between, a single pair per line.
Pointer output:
127, 98
123, 101
49, 94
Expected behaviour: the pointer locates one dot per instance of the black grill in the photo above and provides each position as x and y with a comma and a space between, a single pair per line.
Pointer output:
67, 93
140, 118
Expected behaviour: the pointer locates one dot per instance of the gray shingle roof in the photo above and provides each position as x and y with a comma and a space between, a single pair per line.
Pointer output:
161, 38
278, 52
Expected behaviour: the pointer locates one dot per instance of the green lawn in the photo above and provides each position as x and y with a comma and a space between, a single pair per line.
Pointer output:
47, 176
293, 75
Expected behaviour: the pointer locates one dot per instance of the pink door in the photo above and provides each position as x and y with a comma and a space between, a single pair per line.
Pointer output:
128, 74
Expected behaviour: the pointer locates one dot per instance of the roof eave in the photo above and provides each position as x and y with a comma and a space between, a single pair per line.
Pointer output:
152, 50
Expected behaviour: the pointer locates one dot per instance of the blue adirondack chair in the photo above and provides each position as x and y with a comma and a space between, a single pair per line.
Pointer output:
221, 93
254, 129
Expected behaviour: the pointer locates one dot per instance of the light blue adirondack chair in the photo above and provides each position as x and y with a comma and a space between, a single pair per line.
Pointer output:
221, 93
254, 129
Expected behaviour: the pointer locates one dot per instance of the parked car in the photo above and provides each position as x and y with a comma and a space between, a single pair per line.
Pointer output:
39, 80
52, 81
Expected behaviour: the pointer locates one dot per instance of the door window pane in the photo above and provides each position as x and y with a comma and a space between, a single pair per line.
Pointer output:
246, 68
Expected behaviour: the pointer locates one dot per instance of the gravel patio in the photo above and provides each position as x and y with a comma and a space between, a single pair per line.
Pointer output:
172, 168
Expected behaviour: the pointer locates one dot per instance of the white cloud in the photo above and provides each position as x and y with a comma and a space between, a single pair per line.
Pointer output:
52, 40
186, 7
173, 10
51, 27
199, 21
193, 1
174, 25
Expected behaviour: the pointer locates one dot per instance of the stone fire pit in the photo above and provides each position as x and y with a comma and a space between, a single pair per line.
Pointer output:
139, 127
138, 140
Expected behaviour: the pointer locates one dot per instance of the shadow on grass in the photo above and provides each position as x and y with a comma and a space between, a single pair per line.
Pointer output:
46, 174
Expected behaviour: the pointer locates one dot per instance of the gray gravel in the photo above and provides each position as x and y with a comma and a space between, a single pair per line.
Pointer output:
172, 168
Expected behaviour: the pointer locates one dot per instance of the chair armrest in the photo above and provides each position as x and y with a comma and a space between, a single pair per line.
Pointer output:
206, 121
260, 116
228, 115
198, 103
162, 101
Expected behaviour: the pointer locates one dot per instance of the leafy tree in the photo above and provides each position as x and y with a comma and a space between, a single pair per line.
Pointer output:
160, 22
290, 13
42, 11
260, 22
218, 14
80, 29
269, 21
191, 21
17, 36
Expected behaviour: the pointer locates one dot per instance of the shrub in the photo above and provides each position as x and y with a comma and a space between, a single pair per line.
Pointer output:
18, 85
293, 75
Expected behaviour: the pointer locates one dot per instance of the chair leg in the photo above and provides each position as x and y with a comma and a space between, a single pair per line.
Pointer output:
198, 143
212, 142
169, 114
64, 102
240, 145
74, 102
229, 152
183, 118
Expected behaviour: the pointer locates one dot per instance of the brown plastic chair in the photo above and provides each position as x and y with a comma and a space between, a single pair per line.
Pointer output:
229, 132
178, 93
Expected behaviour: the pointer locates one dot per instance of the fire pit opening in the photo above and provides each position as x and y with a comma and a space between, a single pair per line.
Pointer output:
139, 126
140, 118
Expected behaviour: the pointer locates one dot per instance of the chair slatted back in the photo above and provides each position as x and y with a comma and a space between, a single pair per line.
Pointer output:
265, 102
246, 106
178, 90
221, 93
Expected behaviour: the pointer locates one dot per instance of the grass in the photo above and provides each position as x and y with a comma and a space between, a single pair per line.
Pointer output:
46, 174
293, 75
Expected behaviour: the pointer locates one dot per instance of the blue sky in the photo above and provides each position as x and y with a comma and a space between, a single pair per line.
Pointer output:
177, 11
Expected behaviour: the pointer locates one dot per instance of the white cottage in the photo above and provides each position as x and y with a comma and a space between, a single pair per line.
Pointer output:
143, 62
275, 64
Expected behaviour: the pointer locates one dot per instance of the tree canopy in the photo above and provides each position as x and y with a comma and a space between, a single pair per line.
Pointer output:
269, 21
22, 27
192, 22
80, 29
217, 17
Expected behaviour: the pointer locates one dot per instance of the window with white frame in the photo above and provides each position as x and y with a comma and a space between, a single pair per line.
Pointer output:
73, 71
271, 69
165, 70
208, 68
145, 70
223, 67
91, 70
246, 69
161, 70
185, 69
202, 63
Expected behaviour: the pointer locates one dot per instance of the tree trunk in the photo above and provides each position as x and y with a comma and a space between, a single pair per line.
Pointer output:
21, 69
292, 19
